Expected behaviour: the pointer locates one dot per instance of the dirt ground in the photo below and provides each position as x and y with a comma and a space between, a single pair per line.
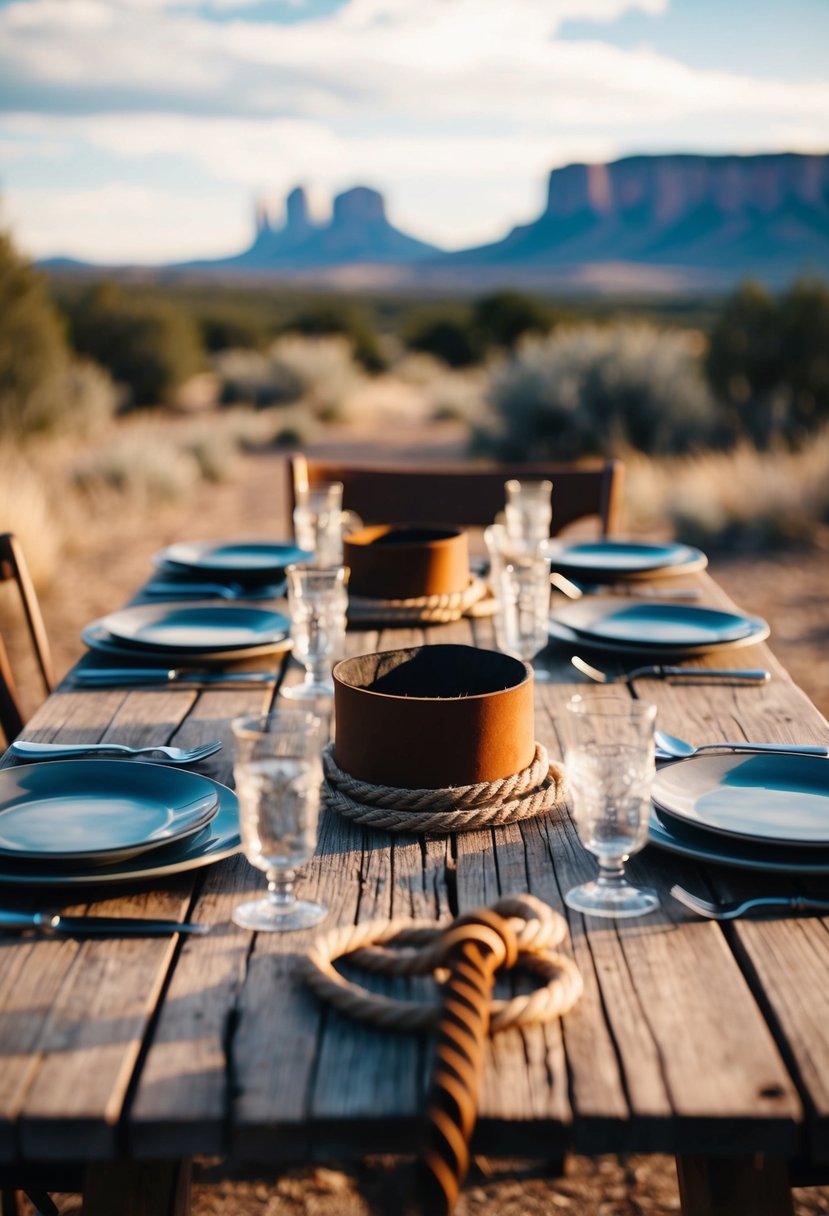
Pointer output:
790, 591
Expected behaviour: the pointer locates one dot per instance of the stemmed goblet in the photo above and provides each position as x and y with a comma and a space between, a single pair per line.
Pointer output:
317, 604
278, 772
609, 765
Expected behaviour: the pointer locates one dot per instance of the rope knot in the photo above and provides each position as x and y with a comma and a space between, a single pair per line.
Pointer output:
486, 929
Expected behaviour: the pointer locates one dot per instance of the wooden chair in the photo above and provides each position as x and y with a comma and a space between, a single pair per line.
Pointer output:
13, 568
464, 495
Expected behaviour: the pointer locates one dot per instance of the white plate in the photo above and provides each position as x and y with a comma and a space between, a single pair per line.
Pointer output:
98, 811
563, 633
96, 637
234, 558
676, 836
766, 798
219, 839
196, 627
618, 559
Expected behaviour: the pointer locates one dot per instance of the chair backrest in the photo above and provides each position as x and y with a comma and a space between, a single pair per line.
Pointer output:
464, 495
13, 568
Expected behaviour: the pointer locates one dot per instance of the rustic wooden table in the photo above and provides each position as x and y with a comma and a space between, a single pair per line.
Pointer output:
127, 1058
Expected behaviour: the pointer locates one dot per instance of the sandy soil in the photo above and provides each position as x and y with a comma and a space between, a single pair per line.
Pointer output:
791, 591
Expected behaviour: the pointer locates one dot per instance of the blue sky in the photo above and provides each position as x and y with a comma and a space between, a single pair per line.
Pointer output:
142, 130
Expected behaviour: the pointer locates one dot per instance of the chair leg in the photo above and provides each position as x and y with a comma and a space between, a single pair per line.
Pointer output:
8, 1203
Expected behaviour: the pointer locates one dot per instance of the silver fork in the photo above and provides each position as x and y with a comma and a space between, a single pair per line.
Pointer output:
732, 909
660, 672
54, 751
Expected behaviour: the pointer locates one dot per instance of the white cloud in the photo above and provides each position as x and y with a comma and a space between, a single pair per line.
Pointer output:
455, 108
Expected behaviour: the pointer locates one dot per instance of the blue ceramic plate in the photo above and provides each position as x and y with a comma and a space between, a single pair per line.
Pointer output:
679, 837
233, 558
217, 840
600, 560
657, 626
98, 811
770, 799
196, 628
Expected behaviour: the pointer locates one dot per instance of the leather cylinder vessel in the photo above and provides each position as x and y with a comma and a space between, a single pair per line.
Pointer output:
433, 716
406, 562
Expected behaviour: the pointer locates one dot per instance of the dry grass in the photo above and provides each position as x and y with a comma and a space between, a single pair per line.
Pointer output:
739, 499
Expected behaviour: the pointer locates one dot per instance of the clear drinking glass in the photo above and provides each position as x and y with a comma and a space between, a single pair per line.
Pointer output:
528, 514
278, 772
320, 522
609, 764
522, 593
317, 604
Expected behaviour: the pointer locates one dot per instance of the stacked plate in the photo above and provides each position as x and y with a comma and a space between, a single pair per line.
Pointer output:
251, 567
90, 821
602, 560
187, 632
761, 812
654, 628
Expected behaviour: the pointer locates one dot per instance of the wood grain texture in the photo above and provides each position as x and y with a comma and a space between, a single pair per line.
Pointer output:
689, 1035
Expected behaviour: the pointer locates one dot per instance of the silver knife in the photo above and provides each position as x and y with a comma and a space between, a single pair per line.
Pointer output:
750, 675
102, 676
128, 926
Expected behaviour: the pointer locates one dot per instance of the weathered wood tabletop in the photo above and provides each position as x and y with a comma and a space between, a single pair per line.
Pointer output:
130, 1057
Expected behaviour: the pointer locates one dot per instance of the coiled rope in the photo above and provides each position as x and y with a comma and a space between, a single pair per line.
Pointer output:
536, 790
517, 931
474, 600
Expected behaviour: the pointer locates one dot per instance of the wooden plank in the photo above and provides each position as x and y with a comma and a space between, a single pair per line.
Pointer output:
181, 1103
525, 1081
89, 1043
702, 1043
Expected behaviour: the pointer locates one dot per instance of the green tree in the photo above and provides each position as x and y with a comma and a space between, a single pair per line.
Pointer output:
150, 346
744, 362
804, 357
34, 357
502, 317
448, 335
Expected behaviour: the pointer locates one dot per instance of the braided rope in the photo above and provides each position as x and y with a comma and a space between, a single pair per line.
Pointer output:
474, 600
537, 789
518, 930
406, 947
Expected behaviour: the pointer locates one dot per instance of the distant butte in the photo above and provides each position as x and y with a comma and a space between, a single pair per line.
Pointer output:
643, 223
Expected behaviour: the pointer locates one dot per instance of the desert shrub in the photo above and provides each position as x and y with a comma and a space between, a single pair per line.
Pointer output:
325, 369
597, 391
335, 317
447, 334
140, 466
230, 330
502, 317
149, 346
250, 378
214, 451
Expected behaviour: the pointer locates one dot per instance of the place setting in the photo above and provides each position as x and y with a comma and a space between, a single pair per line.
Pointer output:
174, 642
766, 811
72, 822
223, 569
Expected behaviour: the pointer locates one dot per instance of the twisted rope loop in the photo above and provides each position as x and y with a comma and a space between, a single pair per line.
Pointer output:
517, 931
535, 790
478, 945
